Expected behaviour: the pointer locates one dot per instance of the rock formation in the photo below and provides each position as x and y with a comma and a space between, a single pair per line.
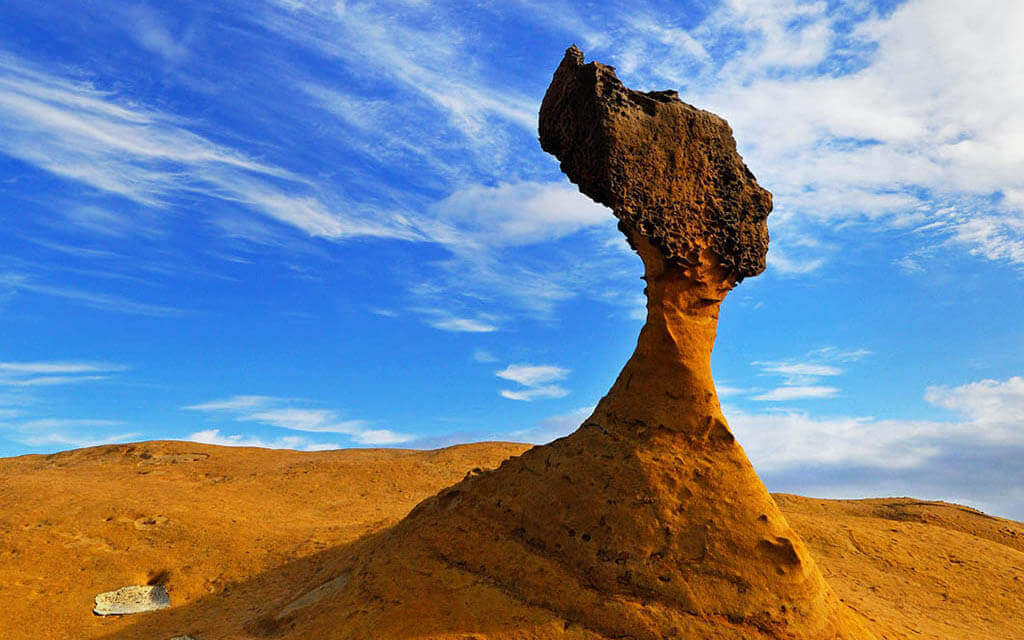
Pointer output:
648, 522
131, 599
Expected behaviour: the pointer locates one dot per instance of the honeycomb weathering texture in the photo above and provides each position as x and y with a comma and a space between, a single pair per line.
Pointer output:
649, 521
668, 170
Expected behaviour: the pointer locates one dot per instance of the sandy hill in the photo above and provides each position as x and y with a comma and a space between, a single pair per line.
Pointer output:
251, 543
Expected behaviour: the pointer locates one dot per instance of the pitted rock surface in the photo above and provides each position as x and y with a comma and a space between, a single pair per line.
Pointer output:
668, 170
132, 599
649, 521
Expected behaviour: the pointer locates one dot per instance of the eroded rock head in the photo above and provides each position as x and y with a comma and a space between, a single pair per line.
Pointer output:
669, 171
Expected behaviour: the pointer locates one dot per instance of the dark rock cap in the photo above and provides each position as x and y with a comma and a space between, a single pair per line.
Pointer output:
668, 170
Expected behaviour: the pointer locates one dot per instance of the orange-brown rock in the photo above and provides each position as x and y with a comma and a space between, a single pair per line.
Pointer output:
649, 521
669, 171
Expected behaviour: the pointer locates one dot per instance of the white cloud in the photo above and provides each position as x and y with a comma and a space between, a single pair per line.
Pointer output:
67, 433
533, 393
466, 325
554, 427
147, 28
994, 409
367, 437
213, 436
95, 300
724, 390
291, 418
51, 373
535, 379
799, 369
458, 132
380, 437
446, 321
425, 60
63, 423
790, 440
57, 367
23, 383
848, 114
75, 131
278, 412
235, 403
992, 412
834, 354
511, 214
531, 375
483, 355
47, 381
76, 442
993, 237
802, 379
985, 400
314, 420
796, 392
782, 262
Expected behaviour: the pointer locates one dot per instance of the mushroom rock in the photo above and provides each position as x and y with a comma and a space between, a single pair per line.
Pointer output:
649, 521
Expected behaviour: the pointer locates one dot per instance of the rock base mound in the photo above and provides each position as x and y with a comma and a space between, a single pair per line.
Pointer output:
247, 555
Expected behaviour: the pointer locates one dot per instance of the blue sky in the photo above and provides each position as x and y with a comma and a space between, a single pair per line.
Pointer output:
328, 224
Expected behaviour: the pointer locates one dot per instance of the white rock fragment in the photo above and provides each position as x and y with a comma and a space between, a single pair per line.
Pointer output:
132, 599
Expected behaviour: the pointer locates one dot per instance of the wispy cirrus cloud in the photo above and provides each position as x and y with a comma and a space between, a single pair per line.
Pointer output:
214, 436
538, 381
798, 370
796, 392
447, 321
152, 33
50, 373
408, 46
70, 128
453, 129
59, 367
234, 403
26, 414
315, 420
483, 355
18, 282
801, 378
66, 441
282, 413
65, 433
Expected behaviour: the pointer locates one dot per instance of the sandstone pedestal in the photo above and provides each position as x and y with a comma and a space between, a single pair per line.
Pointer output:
648, 522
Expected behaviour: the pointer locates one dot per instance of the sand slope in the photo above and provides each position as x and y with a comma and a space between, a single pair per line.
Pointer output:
252, 543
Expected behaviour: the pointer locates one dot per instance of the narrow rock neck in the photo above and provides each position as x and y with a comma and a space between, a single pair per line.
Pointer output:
667, 382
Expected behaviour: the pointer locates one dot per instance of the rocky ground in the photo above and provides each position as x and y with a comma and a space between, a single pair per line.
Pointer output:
253, 543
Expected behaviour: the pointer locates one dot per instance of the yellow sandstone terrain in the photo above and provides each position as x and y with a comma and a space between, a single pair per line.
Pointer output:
250, 542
